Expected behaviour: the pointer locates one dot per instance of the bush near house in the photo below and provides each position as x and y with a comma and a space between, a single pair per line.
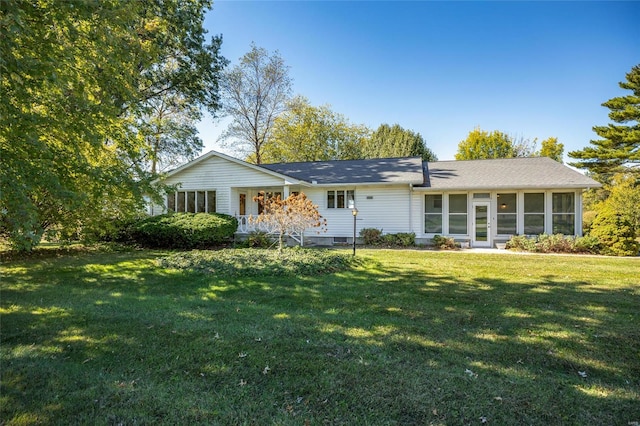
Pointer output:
604, 239
375, 237
444, 243
184, 230
615, 233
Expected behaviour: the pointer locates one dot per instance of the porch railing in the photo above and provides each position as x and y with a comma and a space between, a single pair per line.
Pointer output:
245, 227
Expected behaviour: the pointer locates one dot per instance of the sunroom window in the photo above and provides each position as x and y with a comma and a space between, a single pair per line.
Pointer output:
534, 213
507, 214
433, 214
458, 214
564, 213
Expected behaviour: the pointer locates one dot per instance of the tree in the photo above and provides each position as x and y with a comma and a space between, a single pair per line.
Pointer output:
74, 81
307, 133
394, 141
619, 145
255, 92
169, 128
552, 148
624, 198
287, 217
481, 144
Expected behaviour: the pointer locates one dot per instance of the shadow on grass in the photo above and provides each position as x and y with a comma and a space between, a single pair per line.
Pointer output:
114, 339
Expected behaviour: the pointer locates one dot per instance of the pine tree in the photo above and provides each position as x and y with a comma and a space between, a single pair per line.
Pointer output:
620, 143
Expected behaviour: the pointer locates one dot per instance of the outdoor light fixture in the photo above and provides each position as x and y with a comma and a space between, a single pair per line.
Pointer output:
503, 206
355, 213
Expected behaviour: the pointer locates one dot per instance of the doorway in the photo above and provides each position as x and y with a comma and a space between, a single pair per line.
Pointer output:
481, 224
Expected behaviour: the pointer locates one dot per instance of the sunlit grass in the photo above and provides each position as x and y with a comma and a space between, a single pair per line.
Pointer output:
407, 337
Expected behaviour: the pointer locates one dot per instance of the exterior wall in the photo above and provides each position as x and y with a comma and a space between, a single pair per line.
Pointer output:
383, 207
220, 175
425, 237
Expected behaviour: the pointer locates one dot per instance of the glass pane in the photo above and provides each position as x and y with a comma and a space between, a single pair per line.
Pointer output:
331, 199
351, 197
458, 224
340, 199
506, 203
481, 195
563, 202
191, 202
180, 207
458, 203
534, 203
563, 224
171, 201
433, 203
481, 223
534, 224
211, 201
433, 223
507, 224
200, 201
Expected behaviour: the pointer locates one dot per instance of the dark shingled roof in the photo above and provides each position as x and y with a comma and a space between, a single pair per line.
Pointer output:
506, 173
379, 170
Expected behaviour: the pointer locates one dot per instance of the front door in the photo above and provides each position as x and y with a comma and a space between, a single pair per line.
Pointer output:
243, 204
481, 224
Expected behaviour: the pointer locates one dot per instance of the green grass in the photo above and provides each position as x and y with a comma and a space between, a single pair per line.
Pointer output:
407, 337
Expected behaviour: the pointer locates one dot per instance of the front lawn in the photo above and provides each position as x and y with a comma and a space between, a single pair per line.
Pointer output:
406, 337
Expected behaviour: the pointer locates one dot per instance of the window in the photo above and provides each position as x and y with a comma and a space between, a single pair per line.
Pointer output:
340, 199
507, 214
433, 214
458, 214
191, 201
564, 213
534, 213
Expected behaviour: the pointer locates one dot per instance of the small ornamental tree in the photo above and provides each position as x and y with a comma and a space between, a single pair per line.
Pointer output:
287, 217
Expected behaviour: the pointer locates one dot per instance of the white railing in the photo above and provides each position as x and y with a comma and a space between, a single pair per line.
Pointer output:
245, 226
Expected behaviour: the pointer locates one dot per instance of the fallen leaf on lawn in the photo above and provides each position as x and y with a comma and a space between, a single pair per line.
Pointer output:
243, 382
483, 419
266, 370
470, 373
242, 354
497, 398
582, 374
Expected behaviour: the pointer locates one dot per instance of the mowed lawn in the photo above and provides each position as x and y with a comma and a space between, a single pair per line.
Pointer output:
407, 337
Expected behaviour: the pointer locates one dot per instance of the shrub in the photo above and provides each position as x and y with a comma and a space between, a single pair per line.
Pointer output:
184, 230
406, 239
371, 236
555, 243
615, 234
587, 244
259, 239
293, 261
521, 242
445, 243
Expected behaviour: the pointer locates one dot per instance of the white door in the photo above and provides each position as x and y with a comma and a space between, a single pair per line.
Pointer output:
481, 224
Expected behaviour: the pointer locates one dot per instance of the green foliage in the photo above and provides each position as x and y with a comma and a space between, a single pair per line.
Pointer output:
294, 261
259, 239
620, 143
444, 243
75, 79
624, 198
556, 243
394, 141
615, 233
375, 237
552, 148
307, 133
184, 230
481, 144
371, 236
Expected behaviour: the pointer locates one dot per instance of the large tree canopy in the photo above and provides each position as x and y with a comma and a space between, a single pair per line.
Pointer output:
255, 92
394, 141
481, 144
308, 133
620, 143
75, 79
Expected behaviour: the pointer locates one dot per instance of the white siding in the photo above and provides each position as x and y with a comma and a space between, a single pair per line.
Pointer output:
381, 207
220, 175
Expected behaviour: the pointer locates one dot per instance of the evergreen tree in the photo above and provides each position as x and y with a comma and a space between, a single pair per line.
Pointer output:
620, 143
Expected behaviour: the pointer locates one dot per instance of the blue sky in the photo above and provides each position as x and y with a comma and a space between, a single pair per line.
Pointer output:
529, 69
